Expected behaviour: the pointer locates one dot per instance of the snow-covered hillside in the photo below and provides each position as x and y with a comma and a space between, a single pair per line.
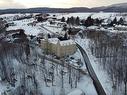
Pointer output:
27, 69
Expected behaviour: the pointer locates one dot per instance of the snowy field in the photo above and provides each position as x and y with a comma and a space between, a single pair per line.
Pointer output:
85, 15
34, 30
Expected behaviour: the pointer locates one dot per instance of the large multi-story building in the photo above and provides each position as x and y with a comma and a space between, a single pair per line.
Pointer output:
59, 48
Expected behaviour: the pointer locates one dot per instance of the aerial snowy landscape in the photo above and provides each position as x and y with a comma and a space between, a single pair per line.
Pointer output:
76, 51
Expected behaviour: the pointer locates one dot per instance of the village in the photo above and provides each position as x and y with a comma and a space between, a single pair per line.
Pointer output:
50, 42
47, 29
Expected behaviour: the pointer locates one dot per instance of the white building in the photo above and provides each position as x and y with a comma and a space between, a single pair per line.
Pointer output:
121, 27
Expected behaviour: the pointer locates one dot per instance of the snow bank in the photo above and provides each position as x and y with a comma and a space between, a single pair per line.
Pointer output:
76, 92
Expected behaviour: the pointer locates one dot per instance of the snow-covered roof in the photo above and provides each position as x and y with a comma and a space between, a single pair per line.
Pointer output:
62, 43
121, 26
111, 28
53, 40
92, 27
105, 23
67, 42
30, 30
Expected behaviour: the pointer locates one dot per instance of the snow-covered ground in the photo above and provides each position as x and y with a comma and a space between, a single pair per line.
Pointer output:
34, 30
85, 15
29, 30
85, 84
101, 74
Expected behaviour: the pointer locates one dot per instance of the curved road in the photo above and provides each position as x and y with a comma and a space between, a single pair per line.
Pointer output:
89, 67
91, 72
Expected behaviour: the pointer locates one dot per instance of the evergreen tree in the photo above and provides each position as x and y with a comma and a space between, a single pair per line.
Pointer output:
49, 36
68, 20
63, 19
114, 21
83, 22
72, 20
89, 21
121, 21
97, 21
27, 51
65, 36
77, 21
65, 28
39, 19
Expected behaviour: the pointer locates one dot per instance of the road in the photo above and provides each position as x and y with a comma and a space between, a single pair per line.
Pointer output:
89, 67
91, 72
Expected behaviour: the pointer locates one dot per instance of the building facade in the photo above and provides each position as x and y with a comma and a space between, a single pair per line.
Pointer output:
58, 48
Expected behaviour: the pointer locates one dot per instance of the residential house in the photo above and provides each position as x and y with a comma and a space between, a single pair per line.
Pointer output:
121, 27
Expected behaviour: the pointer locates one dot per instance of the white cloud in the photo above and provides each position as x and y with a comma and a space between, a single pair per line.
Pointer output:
4, 4
56, 3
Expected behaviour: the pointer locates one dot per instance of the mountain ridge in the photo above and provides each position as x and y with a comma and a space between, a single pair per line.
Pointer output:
120, 7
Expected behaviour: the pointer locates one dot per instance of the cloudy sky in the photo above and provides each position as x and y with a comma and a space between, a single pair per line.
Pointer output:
56, 3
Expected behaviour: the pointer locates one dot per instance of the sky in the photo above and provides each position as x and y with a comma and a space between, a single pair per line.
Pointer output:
5, 4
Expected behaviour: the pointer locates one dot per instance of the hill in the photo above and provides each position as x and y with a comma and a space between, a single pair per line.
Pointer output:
122, 7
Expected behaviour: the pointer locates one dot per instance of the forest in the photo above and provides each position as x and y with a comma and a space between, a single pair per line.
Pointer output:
110, 49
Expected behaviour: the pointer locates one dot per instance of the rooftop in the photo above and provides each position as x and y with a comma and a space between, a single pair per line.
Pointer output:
62, 43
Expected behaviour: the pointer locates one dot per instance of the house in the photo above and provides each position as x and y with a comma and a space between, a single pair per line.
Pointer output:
11, 24
59, 48
32, 23
17, 36
61, 24
73, 31
21, 34
125, 23
21, 17
11, 32
41, 17
106, 22
121, 27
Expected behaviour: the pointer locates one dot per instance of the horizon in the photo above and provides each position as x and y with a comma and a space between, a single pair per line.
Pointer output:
24, 4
